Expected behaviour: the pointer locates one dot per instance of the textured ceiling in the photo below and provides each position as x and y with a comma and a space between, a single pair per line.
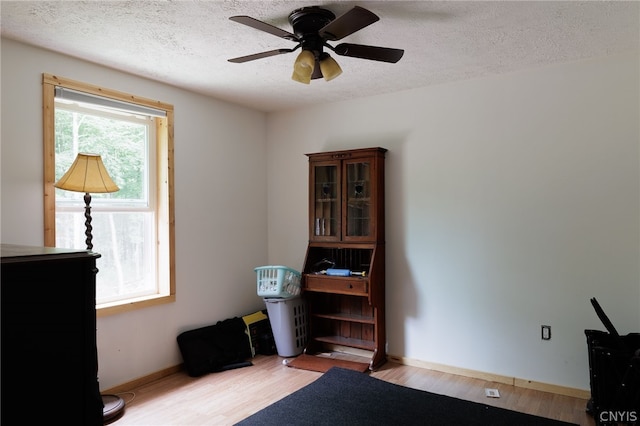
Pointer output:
187, 43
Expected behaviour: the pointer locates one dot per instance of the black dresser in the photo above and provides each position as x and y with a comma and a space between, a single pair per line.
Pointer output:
49, 353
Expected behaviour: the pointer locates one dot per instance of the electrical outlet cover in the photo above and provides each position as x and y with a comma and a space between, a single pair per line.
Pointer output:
492, 393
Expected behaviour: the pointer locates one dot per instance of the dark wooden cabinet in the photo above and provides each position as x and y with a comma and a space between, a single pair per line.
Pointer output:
49, 351
346, 231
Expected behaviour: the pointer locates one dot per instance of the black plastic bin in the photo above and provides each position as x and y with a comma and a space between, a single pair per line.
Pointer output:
614, 374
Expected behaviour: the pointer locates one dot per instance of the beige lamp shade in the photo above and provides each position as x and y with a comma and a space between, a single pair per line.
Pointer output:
303, 67
87, 174
330, 68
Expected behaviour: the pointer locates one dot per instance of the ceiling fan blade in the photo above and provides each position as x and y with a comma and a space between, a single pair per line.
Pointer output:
263, 26
255, 56
375, 53
348, 23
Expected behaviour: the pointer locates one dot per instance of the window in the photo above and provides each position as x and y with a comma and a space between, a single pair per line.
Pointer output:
133, 227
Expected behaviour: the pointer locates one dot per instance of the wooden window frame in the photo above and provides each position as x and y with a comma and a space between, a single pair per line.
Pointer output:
165, 191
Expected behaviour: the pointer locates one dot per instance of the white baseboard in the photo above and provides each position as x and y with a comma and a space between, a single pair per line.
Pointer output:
491, 377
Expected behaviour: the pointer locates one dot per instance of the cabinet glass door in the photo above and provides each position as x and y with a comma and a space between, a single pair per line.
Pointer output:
326, 208
358, 197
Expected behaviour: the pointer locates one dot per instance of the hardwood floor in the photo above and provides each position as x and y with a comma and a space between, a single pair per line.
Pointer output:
224, 398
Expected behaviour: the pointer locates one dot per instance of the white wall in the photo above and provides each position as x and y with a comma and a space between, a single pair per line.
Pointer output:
220, 193
511, 201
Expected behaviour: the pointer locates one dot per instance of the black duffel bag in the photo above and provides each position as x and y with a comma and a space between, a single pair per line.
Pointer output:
218, 347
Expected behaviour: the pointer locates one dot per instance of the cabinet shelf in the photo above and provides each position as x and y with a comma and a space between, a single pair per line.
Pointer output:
340, 316
362, 200
346, 341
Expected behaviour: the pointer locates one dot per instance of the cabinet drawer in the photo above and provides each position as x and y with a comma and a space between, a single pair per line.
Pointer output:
321, 283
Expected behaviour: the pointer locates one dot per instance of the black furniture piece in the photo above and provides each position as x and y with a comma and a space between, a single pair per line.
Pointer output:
614, 374
49, 352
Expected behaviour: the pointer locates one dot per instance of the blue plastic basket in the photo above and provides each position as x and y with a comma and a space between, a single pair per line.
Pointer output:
277, 281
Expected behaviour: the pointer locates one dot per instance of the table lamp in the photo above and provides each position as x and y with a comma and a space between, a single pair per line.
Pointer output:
87, 174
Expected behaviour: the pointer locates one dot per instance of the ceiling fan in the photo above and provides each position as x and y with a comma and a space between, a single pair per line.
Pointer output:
313, 28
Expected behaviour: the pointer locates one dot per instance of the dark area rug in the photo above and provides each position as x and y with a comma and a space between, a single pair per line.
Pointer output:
347, 397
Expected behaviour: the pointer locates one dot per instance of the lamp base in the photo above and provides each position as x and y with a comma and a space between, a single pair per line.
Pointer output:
113, 408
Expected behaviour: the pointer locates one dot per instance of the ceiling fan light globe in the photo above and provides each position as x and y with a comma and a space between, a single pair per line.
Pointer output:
330, 68
303, 67
306, 79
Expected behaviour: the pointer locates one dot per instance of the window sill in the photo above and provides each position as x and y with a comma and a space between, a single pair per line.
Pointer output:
126, 306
